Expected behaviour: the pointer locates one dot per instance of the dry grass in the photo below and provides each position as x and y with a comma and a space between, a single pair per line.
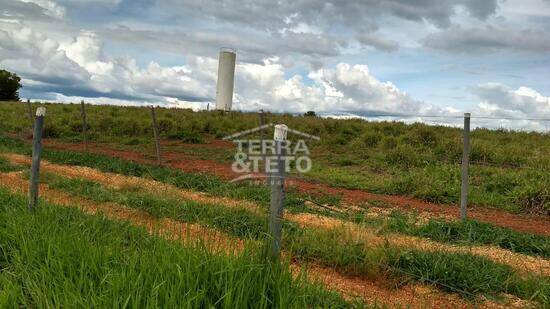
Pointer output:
167, 228
219, 242
368, 290
521, 262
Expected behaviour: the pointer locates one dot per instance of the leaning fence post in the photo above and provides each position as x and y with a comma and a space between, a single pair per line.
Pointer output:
465, 162
156, 133
36, 149
277, 182
84, 124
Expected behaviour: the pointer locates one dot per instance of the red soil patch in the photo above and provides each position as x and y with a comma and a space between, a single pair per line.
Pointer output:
211, 143
526, 223
372, 291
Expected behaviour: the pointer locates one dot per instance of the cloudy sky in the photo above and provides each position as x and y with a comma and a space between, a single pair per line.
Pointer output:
413, 57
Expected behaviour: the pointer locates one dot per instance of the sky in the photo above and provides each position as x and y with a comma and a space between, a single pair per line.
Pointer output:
336, 57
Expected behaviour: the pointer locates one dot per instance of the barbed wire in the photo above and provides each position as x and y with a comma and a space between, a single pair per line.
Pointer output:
487, 164
447, 116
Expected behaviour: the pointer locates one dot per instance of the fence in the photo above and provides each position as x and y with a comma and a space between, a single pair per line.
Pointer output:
277, 181
278, 194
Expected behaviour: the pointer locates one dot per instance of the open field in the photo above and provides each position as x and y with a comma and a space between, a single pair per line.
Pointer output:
122, 231
508, 169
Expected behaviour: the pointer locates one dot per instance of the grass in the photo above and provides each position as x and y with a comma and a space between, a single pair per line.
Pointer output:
469, 274
467, 233
6, 166
466, 274
77, 259
508, 168
461, 273
59, 257
234, 221
195, 181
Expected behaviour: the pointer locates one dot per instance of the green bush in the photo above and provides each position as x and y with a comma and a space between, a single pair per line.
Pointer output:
533, 199
377, 154
190, 137
371, 139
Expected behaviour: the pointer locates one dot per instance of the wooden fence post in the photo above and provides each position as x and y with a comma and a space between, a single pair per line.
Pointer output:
262, 122
156, 133
465, 162
277, 182
36, 149
84, 124
29, 111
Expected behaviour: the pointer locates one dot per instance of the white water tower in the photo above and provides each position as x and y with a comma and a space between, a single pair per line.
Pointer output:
226, 79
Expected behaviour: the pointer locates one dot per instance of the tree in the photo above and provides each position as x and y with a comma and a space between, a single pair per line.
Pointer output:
9, 86
310, 114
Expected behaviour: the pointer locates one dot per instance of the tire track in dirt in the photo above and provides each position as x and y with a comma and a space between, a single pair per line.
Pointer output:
410, 295
520, 262
526, 223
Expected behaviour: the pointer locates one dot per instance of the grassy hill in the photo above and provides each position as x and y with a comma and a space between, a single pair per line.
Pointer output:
115, 228
509, 169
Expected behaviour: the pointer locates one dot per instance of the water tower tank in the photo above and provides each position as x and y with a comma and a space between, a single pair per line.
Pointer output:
226, 78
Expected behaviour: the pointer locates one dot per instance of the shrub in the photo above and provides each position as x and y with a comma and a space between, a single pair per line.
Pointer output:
371, 139
389, 142
533, 200
188, 136
51, 130
403, 155
424, 135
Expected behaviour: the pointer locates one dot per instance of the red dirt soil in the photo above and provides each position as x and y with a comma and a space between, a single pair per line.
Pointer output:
526, 223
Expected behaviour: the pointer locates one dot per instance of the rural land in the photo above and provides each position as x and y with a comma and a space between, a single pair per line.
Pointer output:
375, 222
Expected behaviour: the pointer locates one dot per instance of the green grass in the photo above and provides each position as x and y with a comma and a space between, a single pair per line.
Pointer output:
234, 221
459, 233
470, 274
461, 273
6, 166
468, 232
59, 257
195, 181
383, 157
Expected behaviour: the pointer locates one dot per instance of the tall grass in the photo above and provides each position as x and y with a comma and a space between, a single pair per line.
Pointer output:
59, 257
462, 273
466, 274
384, 157
6, 166
195, 181
470, 232
463, 232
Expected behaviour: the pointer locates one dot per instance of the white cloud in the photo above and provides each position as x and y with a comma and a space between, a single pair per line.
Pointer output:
342, 88
502, 101
79, 67
81, 60
35, 55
